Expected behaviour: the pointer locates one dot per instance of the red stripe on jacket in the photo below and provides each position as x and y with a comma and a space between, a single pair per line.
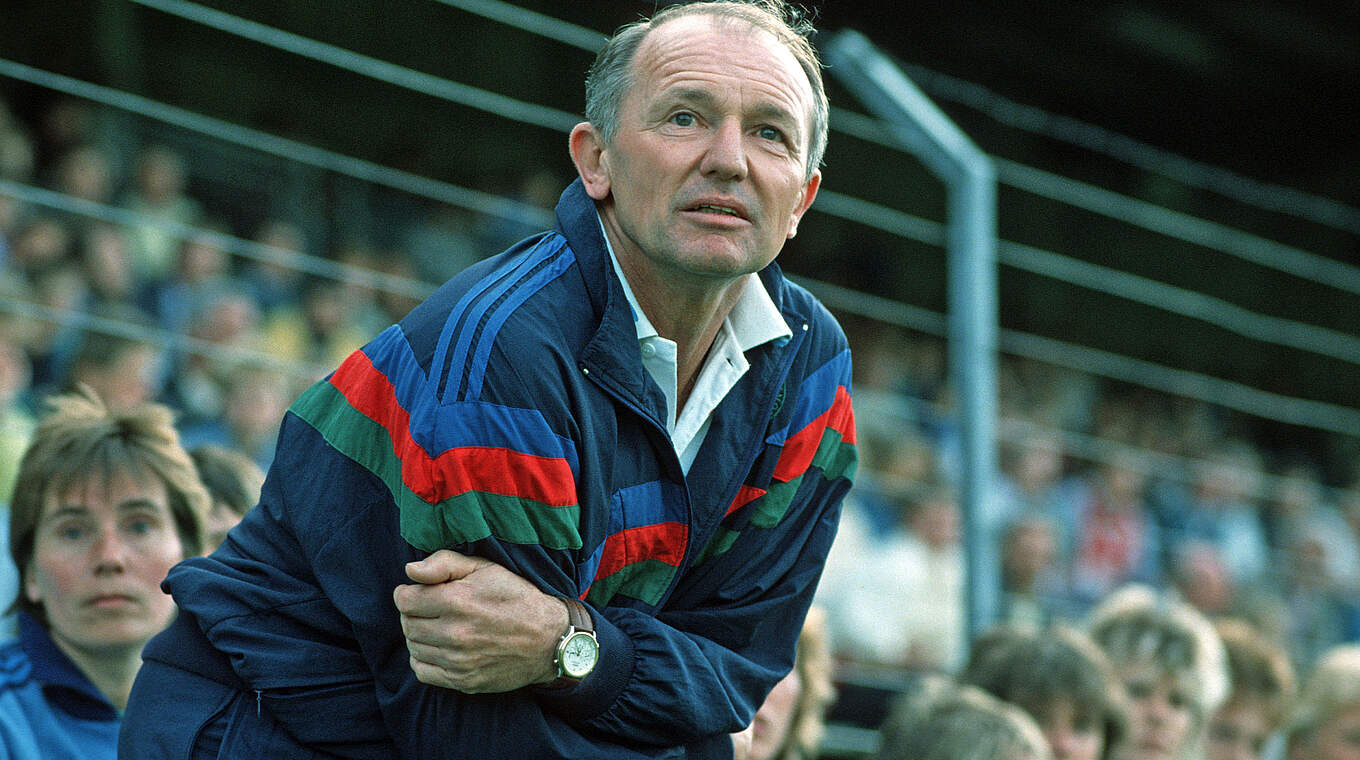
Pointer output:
467, 468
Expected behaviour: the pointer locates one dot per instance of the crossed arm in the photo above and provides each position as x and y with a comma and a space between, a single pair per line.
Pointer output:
475, 627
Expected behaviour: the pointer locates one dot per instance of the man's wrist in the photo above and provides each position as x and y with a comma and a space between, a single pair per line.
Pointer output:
578, 650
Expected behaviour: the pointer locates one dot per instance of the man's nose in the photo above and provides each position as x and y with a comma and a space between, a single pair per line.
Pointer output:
725, 157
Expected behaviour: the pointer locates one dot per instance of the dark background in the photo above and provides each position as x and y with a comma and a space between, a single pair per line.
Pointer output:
1267, 89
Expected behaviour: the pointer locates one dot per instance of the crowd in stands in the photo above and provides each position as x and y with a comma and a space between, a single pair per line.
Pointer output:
1174, 566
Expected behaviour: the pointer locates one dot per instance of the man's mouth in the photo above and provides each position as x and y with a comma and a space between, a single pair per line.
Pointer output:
711, 209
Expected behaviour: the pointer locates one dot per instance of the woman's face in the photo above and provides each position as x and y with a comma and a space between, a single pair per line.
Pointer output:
1161, 717
774, 718
1238, 730
100, 551
1337, 738
1071, 732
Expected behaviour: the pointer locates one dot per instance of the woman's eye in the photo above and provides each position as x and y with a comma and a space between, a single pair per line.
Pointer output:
71, 532
140, 527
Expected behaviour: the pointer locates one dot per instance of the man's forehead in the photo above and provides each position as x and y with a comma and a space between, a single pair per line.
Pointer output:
672, 36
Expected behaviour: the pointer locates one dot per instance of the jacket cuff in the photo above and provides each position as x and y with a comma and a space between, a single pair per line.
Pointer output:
598, 690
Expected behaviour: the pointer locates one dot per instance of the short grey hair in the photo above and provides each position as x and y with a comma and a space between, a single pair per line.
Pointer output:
611, 75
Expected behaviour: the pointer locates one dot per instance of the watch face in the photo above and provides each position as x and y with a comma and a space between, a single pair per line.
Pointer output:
579, 653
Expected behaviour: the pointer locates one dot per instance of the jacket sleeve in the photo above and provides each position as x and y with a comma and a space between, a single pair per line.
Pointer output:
299, 601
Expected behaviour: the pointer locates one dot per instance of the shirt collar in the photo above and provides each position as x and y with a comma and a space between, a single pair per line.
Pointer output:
753, 321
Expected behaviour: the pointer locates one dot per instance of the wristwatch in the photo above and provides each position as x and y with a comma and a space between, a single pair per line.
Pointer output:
579, 650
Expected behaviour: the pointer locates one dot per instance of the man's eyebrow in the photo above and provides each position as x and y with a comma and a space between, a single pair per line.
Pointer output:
764, 110
696, 95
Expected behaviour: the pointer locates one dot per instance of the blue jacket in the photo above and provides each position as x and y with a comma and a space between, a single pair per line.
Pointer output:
510, 416
49, 710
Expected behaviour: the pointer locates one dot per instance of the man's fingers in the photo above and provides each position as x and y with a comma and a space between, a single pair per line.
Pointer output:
443, 566
420, 601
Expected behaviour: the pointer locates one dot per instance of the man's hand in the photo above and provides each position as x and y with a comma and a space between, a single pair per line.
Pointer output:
474, 626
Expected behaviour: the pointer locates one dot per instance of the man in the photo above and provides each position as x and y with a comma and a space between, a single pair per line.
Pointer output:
613, 455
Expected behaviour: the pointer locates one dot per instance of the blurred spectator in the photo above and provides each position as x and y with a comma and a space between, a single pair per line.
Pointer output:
322, 330
1062, 679
1318, 607
907, 609
790, 723
1200, 576
1116, 536
55, 341
1221, 508
18, 158
1173, 668
1324, 723
249, 423
360, 291
158, 193
16, 422
1033, 591
202, 273
443, 243
942, 721
273, 284
85, 172
1262, 689
231, 322
124, 372
1297, 507
40, 244
105, 504
233, 481
107, 265
537, 188
395, 306
63, 125
1032, 478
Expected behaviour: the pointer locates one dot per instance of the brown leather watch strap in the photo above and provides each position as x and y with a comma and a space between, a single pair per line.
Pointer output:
578, 616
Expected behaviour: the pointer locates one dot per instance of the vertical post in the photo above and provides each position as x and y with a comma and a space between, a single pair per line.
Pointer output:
970, 179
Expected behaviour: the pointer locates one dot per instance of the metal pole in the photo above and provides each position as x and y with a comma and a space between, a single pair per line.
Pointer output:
970, 178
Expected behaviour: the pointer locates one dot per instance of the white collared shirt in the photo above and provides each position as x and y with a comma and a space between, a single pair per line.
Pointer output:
753, 321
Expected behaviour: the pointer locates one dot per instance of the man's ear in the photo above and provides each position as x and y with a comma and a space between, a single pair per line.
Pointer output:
588, 153
809, 194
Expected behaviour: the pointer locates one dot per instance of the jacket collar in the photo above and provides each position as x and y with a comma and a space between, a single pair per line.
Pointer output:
578, 222
64, 685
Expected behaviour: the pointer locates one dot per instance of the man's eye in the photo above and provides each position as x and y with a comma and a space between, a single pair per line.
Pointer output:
770, 133
683, 119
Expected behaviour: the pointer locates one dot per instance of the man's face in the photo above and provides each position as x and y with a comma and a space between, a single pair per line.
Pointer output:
705, 177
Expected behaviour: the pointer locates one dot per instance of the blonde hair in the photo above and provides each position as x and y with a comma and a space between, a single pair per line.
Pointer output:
1135, 624
1258, 667
81, 440
1333, 686
941, 720
816, 691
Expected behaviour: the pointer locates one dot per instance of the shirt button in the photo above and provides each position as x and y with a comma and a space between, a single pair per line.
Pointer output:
648, 350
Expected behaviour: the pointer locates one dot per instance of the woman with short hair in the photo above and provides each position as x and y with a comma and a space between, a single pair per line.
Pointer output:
1325, 721
1173, 668
105, 503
